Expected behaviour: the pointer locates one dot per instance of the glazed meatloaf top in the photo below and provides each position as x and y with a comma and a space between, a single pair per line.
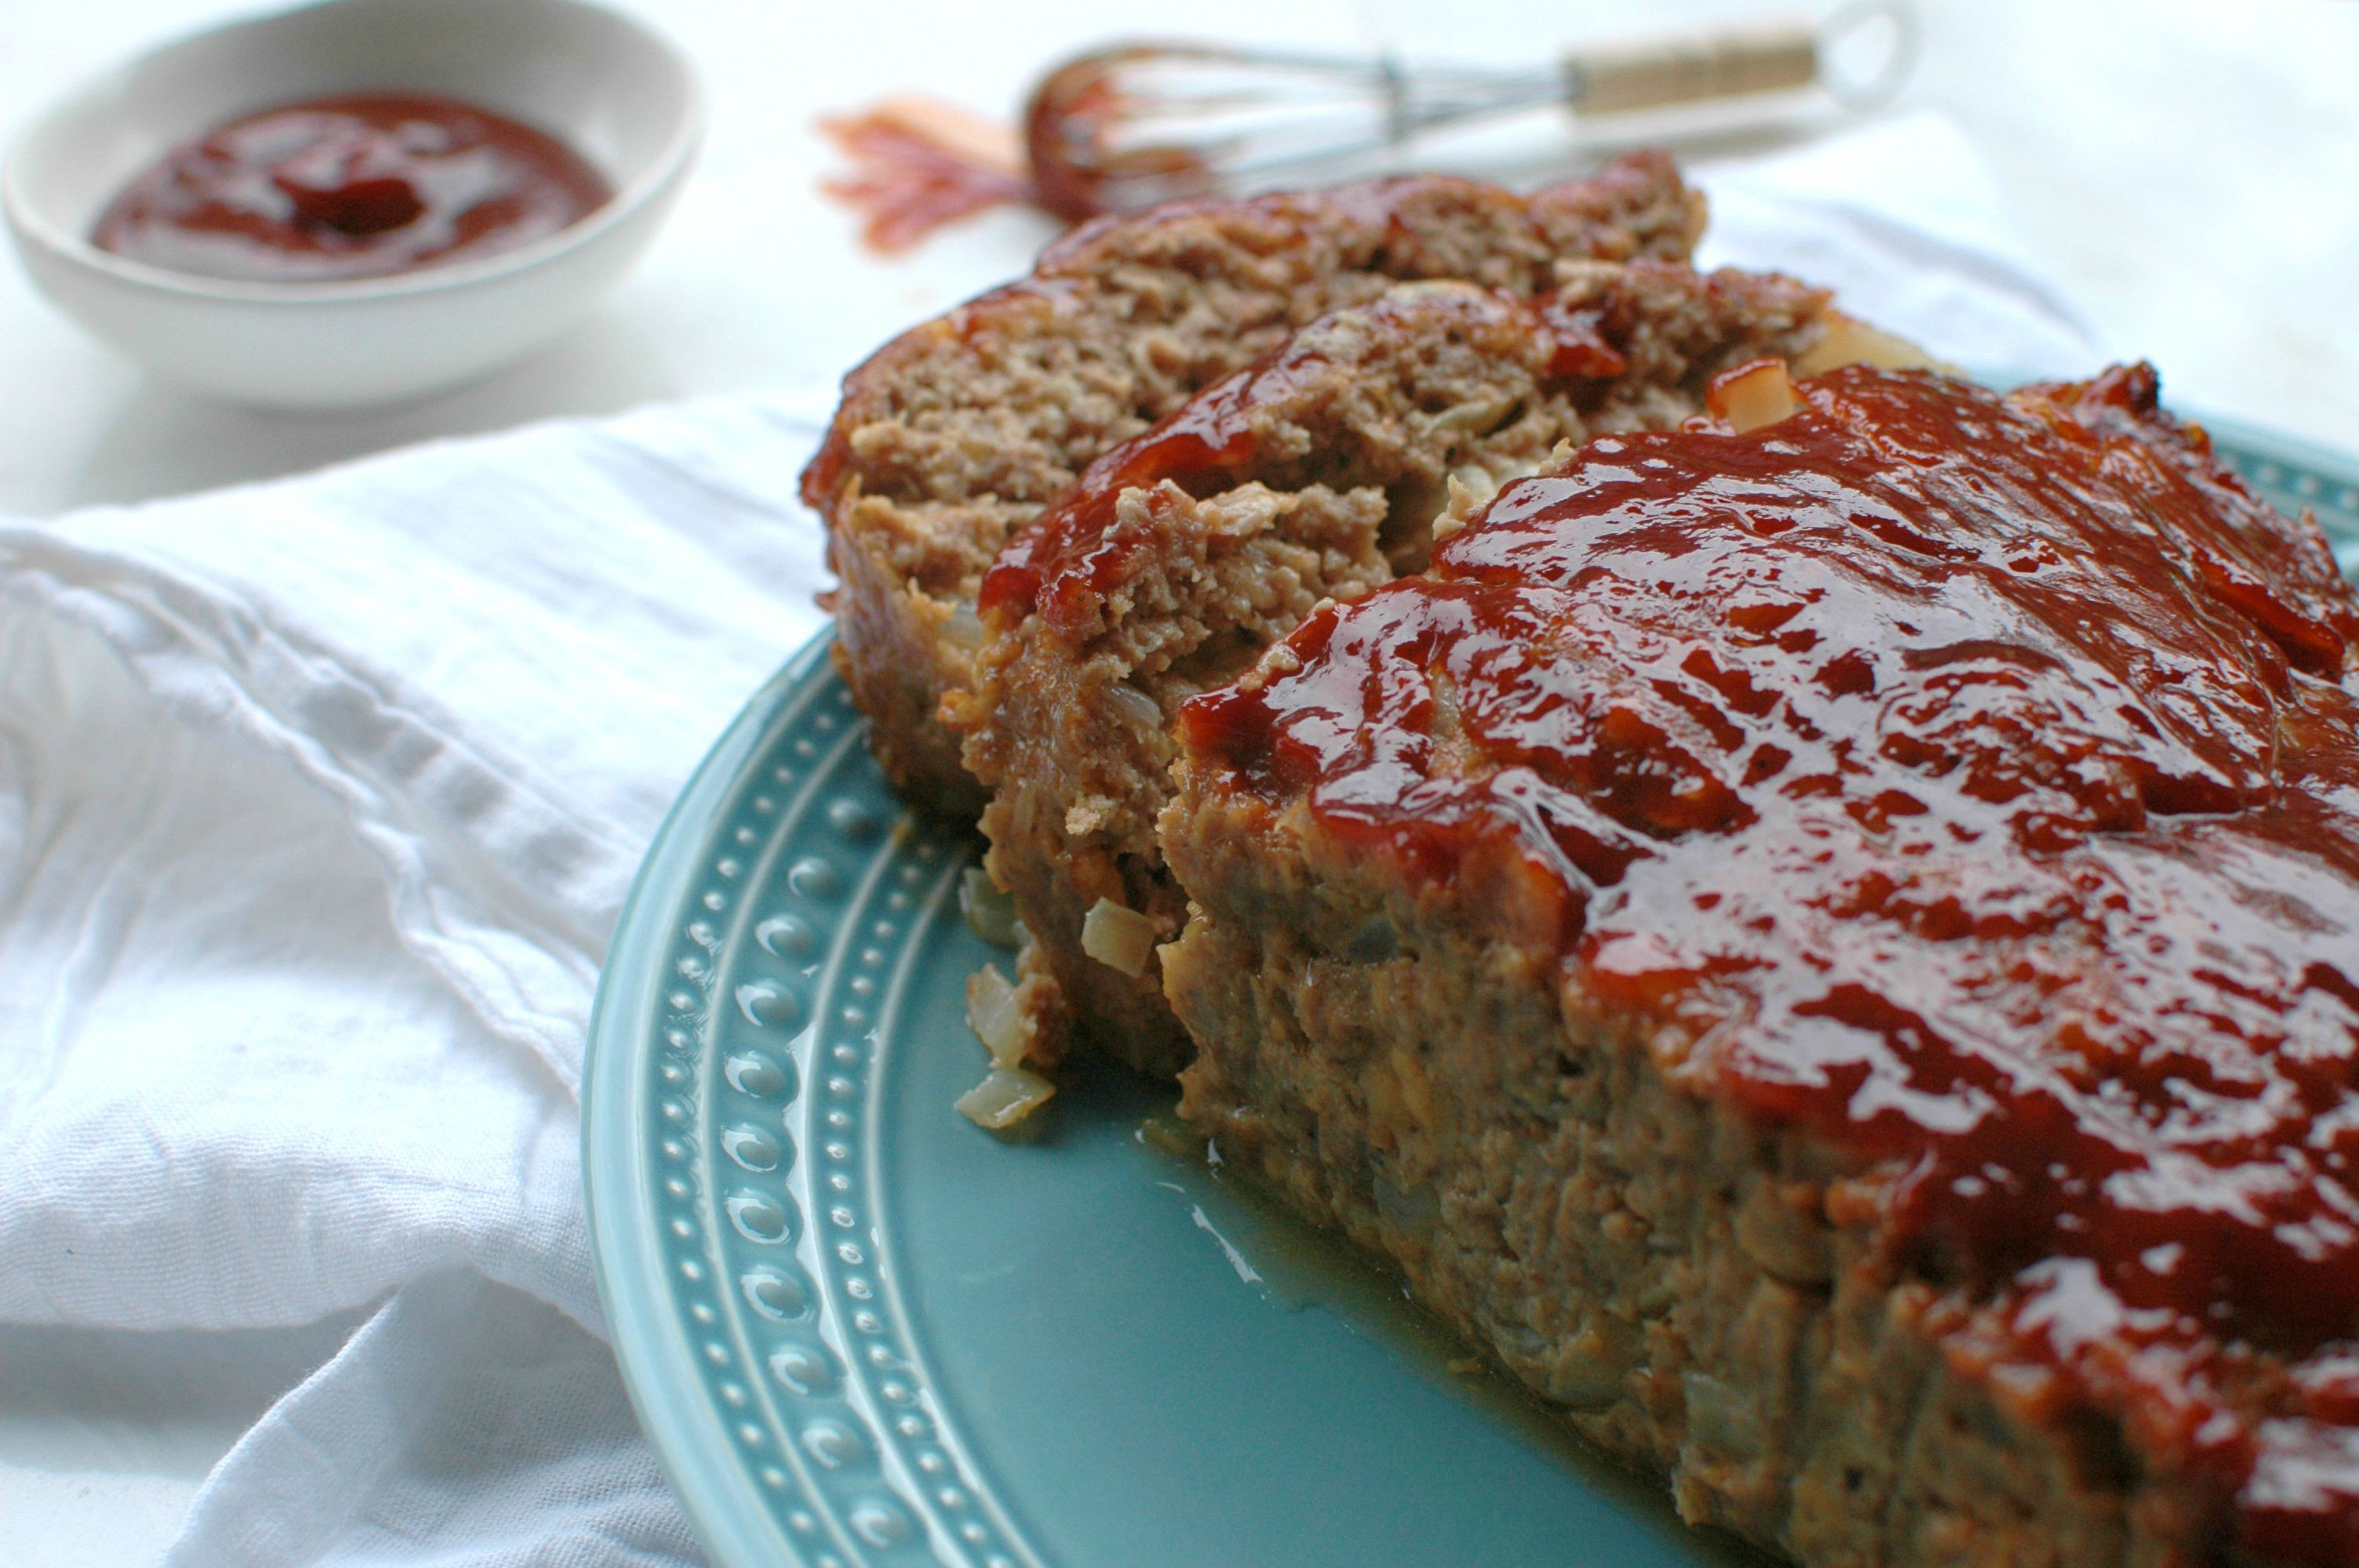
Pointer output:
1968, 783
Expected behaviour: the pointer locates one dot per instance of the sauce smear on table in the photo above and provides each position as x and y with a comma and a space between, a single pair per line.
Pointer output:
919, 164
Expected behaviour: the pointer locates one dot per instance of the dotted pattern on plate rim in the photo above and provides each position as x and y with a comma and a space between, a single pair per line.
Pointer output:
2292, 489
775, 1269
767, 1045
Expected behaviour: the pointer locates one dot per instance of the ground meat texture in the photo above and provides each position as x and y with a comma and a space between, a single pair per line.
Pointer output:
1315, 475
1833, 951
962, 429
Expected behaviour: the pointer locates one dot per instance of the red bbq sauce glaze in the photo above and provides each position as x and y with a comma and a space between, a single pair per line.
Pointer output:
1973, 781
361, 186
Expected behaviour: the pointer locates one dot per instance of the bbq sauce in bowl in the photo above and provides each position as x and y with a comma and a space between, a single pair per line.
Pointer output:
364, 184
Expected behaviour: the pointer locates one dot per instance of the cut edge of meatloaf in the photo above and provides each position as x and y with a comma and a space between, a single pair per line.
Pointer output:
961, 430
1343, 448
1693, 1292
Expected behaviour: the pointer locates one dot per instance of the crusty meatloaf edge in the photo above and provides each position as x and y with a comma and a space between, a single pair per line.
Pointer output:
958, 431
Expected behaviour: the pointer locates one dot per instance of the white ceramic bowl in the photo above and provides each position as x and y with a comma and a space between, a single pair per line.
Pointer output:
612, 91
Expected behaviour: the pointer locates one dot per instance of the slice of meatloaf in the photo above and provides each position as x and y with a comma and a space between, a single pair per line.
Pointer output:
1833, 952
962, 428
1317, 474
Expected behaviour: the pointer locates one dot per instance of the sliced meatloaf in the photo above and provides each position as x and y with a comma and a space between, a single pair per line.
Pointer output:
1316, 475
1833, 952
962, 428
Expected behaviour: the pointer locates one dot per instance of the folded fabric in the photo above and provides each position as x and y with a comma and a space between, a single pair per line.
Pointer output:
318, 803
318, 800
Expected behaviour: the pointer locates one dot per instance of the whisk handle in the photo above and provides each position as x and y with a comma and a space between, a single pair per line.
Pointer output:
1616, 78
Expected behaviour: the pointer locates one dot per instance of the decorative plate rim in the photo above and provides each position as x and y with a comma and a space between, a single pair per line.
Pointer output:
650, 1341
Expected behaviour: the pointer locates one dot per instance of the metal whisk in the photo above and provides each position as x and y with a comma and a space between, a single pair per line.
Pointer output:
1130, 125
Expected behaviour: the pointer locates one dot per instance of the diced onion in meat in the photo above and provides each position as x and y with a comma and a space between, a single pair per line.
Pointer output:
1118, 937
997, 1016
1478, 418
1754, 396
1004, 1098
1136, 707
989, 913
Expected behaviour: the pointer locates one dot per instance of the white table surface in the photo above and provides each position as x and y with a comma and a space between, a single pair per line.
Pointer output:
2187, 172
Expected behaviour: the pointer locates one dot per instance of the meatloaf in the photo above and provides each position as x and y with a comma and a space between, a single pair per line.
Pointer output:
1315, 474
1833, 952
962, 428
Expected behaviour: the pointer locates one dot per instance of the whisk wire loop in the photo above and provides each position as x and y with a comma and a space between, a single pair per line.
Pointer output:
1135, 124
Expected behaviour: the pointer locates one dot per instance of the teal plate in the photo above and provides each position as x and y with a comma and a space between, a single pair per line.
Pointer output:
860, 1331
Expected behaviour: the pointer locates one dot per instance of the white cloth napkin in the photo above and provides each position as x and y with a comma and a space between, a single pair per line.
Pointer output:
318, 802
